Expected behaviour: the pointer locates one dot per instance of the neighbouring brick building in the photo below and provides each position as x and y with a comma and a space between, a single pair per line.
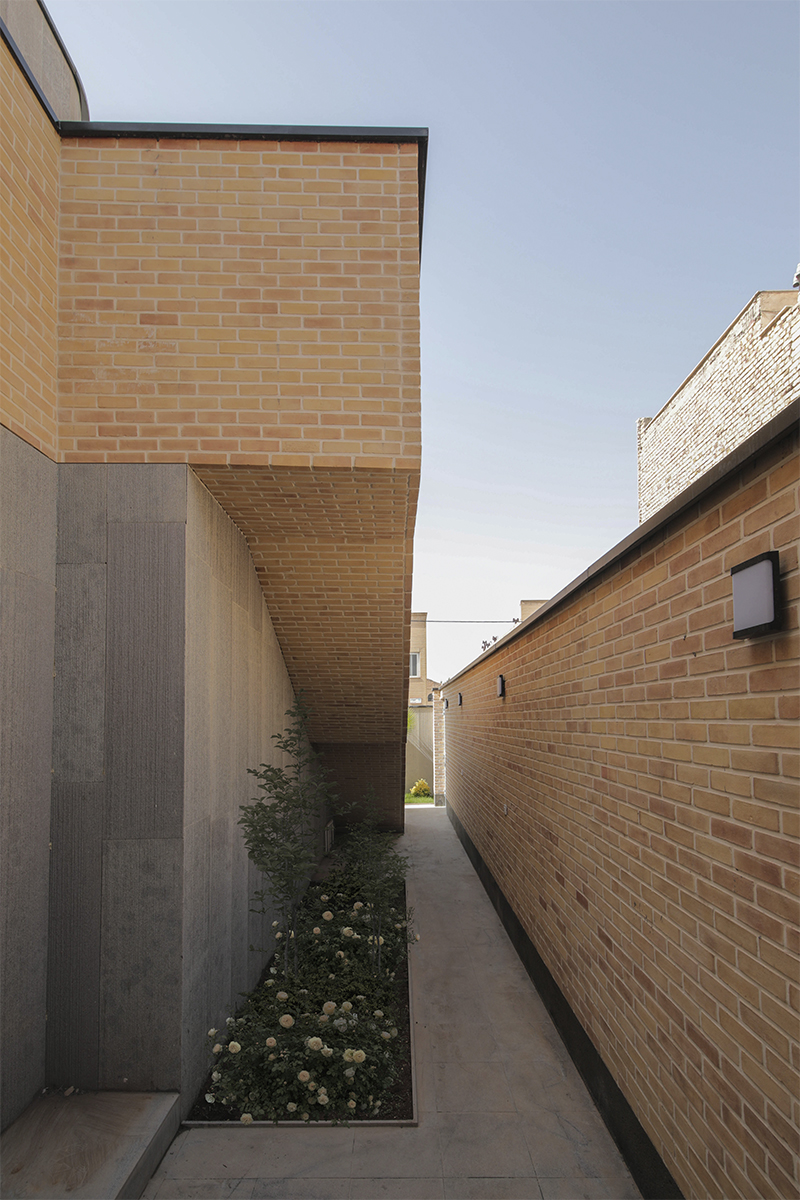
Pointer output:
751, 373
210, 464
624, 775
419, 747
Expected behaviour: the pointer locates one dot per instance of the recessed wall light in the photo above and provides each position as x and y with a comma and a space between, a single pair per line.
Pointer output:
756, 595
501, 685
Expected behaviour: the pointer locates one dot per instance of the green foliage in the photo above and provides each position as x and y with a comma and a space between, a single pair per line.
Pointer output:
374, 871
281, 827
322, 1044
409, 799
421, 788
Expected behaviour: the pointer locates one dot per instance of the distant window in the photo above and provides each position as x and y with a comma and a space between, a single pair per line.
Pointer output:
414, 672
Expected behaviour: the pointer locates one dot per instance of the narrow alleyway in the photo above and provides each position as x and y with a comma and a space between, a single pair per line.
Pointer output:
503, 1114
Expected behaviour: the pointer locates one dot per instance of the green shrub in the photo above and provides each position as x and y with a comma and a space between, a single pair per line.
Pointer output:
320, 1044
420, 788
281, 827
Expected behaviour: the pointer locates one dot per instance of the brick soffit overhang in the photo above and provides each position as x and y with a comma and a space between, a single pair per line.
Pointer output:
334, 629
784, 423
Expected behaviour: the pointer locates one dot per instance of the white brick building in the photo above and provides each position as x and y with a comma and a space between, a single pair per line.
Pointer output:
748, 376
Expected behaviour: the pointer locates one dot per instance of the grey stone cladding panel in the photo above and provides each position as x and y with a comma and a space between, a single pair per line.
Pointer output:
73, 1018
145, 680
145, 492
212, 534
80, 669
28, 494
26, 698
197, 1015
140, 964
82, 512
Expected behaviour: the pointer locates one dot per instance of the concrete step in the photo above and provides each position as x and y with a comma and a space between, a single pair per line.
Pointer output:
92, 1146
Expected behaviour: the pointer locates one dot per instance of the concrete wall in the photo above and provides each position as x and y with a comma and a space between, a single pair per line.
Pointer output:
635, 797
237, 694
169, 685
27, 615
750, 375
117, 807
45, 56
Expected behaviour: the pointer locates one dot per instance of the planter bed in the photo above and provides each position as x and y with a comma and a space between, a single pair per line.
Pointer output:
275, 1059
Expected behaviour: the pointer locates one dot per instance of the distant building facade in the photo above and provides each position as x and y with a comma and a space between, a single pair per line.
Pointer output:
749, 376
419, 747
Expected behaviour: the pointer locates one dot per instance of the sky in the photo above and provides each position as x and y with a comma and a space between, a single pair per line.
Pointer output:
609, 183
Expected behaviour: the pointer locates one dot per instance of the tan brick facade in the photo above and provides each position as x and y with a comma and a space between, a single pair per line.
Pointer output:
750, 375
332, 549
249, 306
635, 795
29, 221
239, 302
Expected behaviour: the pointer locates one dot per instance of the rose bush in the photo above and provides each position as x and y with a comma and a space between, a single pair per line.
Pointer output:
321, 1044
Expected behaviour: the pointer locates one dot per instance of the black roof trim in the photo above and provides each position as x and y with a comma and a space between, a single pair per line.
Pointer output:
777, 428
262, 133
268, 133
68, 60
7, 37
234, 133
5, 34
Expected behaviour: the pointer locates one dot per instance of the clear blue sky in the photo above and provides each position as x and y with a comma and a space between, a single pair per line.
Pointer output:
609, 183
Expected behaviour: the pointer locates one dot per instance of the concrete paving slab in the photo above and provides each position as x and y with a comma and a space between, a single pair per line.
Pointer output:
472, 1087
503, 1113
589, 1189
88, 1146
484, 1144
397, 1153
301, 1189
397, 1189
491, 1189
204, 1189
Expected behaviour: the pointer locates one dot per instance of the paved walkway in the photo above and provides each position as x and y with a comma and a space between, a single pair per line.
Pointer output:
503, 1114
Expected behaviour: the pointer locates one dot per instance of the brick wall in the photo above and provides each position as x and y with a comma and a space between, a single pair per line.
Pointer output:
29, 199
651, 845
239, 302
249, 307
439, 747
752, 373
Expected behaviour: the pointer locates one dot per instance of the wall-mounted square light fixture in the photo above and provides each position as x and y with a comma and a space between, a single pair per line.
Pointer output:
460, 700
501, 685
756, 595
